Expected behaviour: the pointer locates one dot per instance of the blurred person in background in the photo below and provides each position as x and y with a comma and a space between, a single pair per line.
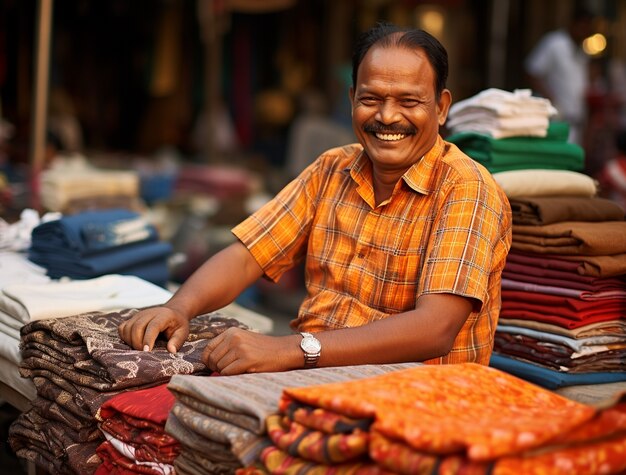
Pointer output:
557, 69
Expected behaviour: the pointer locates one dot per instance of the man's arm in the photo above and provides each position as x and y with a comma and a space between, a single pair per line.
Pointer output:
426, 332
214, 285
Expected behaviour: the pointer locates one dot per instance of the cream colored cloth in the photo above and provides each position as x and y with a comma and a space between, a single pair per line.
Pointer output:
29, 302
536, 182
75, 179
501, 114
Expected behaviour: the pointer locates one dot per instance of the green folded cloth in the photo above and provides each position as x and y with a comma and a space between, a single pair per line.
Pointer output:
517, 153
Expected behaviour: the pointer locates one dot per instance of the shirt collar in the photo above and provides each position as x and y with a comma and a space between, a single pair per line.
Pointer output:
418, 177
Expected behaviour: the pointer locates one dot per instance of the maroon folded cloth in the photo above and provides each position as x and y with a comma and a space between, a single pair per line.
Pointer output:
582, 281
564, 322
138, 418
596, 266
560, 306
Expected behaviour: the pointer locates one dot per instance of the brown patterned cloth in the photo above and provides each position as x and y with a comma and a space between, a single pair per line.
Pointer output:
79, 362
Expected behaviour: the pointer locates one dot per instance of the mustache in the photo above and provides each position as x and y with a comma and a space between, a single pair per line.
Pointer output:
378, 128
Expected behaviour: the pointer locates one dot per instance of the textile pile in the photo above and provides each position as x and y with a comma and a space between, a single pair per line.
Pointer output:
220, 421
512, 131
72, 185
94, 243
133, 424
76, 364
499, 114
28, 295
564, 282
445, 419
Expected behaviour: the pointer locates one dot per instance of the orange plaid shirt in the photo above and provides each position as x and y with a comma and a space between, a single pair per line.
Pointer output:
445, 229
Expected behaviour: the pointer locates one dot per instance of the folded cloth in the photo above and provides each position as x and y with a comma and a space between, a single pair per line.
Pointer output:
425, 418
591, 266
571, 238
16, 268
608, 328
553, 209
519, 153
133, 423
550, 378
119, 260
79, 362
539, 182
230, 411
64, 298
500, 113
92, 232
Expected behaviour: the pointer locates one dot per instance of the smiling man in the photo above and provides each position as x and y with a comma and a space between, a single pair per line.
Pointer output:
403, 237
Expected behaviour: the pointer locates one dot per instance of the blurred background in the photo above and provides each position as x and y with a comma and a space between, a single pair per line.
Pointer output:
217, 78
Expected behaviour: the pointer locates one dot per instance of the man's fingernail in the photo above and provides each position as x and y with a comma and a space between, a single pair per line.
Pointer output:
146, 347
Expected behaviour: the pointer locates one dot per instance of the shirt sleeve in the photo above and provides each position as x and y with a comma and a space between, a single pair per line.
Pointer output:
467, 244
277, 234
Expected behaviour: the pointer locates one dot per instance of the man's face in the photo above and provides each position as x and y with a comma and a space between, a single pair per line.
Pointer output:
395, 114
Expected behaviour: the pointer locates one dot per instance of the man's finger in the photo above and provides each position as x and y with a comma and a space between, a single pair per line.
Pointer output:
150, 334
177, 340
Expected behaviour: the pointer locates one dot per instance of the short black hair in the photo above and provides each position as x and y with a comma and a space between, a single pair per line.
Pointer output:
387, 34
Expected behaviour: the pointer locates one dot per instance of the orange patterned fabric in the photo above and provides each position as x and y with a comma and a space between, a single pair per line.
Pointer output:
481, 411
445, 229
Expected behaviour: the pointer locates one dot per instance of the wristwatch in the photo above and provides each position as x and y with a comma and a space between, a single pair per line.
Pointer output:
312, 348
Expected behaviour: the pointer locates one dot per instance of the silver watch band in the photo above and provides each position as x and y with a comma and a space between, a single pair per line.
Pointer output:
311, 348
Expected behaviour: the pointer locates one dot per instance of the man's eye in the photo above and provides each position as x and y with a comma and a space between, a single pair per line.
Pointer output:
409, 102
368, 101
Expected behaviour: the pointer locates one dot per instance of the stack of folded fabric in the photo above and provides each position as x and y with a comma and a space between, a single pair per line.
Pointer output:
133, 424
463, 418
15, 267
76, 364
94, 243
523, 152
72, 185
564, 283
512, 131
499, 114
220, 421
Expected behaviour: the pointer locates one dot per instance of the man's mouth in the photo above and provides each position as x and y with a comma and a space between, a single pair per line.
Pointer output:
390, 137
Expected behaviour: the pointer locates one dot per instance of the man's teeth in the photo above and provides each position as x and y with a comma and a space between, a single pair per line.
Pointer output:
390, 137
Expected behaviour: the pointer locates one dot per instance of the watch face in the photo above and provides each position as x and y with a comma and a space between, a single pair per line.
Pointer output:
311, 345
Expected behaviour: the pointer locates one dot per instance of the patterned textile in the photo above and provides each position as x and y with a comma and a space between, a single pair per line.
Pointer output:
222, 419
446, 229
77, 363
136, 421
449, 419
317, 446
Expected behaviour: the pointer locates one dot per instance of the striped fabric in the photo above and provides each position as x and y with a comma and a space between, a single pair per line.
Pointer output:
445, 229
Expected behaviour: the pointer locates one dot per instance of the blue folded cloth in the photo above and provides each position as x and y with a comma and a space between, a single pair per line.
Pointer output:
549, 378
92, 232
111, 262
95, 243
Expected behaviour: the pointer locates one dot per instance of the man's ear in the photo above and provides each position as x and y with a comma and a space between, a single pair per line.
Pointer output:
443, 106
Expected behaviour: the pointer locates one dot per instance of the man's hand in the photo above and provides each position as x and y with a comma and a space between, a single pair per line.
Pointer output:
142, 330
238, 351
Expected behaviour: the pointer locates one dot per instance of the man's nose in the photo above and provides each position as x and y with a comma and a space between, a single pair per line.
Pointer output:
387, 113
